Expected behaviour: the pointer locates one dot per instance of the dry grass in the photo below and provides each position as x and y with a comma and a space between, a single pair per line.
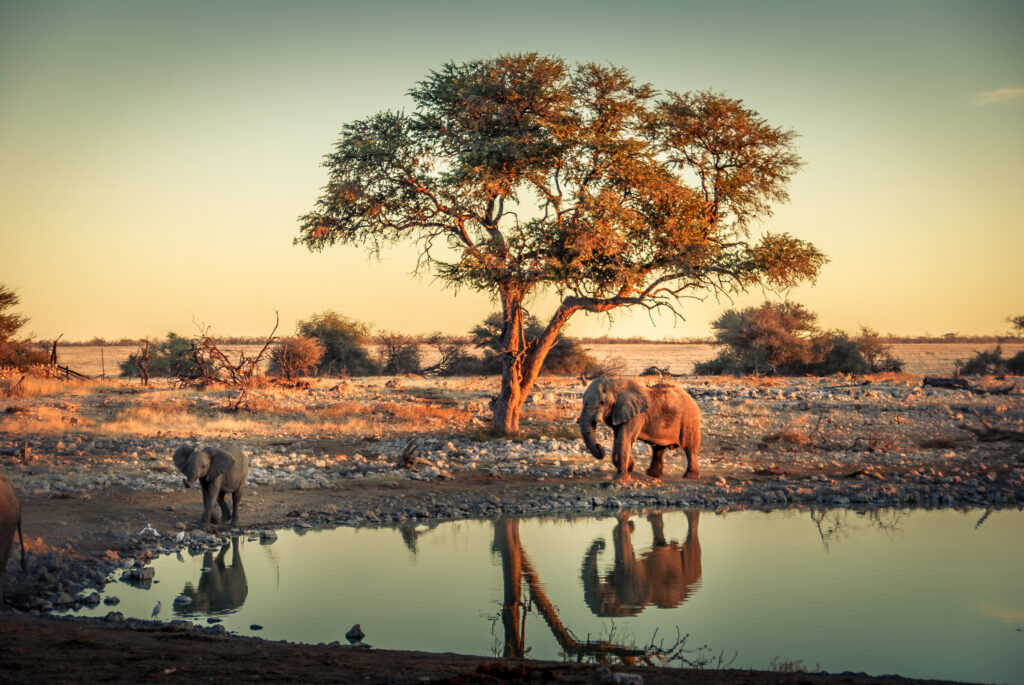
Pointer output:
41, 419
18, 385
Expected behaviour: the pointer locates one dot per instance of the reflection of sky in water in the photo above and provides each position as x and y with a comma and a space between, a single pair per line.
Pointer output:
921, 593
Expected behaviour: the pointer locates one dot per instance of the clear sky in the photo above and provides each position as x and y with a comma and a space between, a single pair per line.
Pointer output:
155, 156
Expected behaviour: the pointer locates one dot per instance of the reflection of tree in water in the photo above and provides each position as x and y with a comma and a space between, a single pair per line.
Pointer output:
221, 588
664, 576
516, 568
834, 525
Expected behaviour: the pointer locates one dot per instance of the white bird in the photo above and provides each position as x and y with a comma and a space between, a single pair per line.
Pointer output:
156, 609
179, 537
149, 530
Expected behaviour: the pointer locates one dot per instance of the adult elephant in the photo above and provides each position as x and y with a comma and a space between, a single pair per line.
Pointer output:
218, 471
665, 576
221, 588
664, 416
10, 521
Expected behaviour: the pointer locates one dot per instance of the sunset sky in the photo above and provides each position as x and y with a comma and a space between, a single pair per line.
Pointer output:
155, 156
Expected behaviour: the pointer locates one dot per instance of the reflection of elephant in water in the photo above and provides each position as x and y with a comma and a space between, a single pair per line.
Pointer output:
664, 416
10, 521
221, 588
665, 576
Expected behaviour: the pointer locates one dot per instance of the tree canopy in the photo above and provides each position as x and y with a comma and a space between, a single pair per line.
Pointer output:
523, 173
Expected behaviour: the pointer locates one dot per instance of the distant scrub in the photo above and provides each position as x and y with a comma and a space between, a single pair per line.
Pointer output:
295, 356
397, 353
991, 363
784, 338
171, 358
345, 342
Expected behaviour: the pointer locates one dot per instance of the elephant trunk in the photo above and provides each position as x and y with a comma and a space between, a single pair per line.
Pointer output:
192, 476
588, 429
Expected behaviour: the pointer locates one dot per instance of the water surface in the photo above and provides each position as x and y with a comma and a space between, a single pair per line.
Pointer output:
927, 594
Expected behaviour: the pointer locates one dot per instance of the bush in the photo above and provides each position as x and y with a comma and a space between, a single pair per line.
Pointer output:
991, 363
1015, 364
567, 357
876, 353
171, 358
24, 353
783, 338
834, 352
295, 356
398, 353
345, 343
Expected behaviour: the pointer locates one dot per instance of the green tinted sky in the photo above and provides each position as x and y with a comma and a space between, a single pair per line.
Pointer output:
154, 156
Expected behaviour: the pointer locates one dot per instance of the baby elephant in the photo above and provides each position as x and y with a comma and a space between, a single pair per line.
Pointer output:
218, 472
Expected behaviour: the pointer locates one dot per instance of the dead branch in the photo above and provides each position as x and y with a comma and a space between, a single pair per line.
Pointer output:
989, 433
963, 384
213, 364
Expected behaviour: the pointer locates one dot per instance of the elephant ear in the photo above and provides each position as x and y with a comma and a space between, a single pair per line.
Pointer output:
628, 404
181, 456
220, 463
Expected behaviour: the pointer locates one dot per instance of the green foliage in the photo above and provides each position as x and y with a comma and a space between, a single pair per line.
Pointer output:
345, 343
295, 356
10, 323
991, 363
171, 358
784, 338
398, 353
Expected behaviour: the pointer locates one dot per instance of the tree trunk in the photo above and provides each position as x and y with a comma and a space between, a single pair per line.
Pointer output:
509, 403
520, 363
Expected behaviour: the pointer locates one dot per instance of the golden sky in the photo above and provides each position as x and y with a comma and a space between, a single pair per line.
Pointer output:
154, 157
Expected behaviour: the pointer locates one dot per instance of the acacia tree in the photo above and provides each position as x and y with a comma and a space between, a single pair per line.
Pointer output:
522, 173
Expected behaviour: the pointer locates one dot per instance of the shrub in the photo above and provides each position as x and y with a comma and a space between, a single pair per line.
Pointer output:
876, 353
344, 341
173, 357
295, 356
1015, 364
398, 353
22, 354
783, 338
834, 352
991, 363
454, 360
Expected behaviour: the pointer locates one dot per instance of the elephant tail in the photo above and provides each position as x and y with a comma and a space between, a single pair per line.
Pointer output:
24, 566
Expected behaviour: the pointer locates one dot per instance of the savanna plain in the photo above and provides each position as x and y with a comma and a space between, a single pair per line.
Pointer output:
91, 461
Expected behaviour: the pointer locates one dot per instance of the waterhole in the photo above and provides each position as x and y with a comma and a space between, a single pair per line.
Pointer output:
926, 594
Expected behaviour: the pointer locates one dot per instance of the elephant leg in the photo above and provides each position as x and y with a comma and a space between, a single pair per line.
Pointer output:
625, 435
236, 497
692, 469
224, 510
657, 466
208, 500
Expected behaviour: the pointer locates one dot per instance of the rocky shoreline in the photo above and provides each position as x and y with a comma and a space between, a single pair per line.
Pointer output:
880, 443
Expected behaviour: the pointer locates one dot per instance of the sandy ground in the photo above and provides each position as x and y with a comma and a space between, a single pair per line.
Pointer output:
91, 462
